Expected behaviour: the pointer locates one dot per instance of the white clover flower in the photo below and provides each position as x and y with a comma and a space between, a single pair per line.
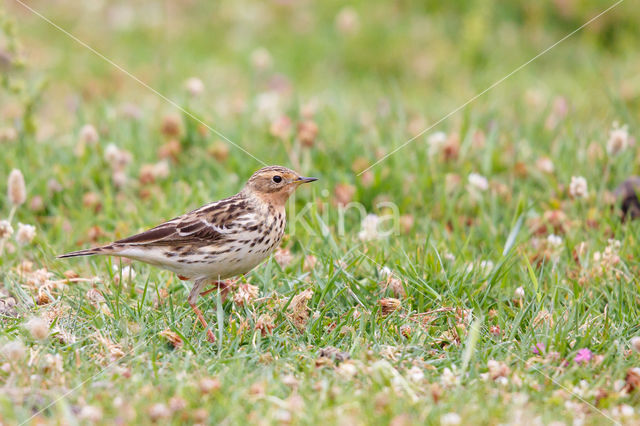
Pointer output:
91, 413
161, 169
618, 139
486, 266
25, 234
16, 189
126, 271
347, 21
369, 228
626, 410
385, 272
478, 182
6, 230
554, 240
519, 293
436, 141
578, 187
261, 59
194, 86
545, 165
268, 105
450, 419
635, 343
449, 378
89, 134
416, 374
111, 153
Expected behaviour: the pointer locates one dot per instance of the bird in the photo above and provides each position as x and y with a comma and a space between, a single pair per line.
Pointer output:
217, 241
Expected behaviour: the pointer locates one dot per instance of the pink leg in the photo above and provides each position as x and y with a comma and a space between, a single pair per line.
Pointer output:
210, 336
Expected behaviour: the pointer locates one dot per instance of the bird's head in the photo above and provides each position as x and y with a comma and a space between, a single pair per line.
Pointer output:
275, 184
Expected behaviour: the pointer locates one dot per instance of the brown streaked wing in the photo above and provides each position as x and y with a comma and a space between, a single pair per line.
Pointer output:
154, 235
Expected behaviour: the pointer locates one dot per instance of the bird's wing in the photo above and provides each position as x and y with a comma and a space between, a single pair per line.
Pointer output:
210, 224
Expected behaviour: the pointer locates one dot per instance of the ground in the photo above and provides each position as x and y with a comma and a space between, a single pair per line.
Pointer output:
462, 259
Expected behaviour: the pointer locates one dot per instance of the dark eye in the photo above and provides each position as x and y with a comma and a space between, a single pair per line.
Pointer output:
277, 179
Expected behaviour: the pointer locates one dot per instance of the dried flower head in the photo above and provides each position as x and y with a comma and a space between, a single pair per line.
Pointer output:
171, 150
578, 187
171, 125
618, 139
245, 294
307, 132
25, 234
265, 324
299, 308
177, 403
497, 369
219, 150
343, 193
173, 338
281, 127
38, 327
395, 284
17, 191
6, 230
209, 385
309, 263
389, 305
89, 134
36, 204
159, 411
13, 350
283, 257
632, 379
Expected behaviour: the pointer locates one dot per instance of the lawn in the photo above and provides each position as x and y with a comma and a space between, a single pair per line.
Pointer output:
461, 260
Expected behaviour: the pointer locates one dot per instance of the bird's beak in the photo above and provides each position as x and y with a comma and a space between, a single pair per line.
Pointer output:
305, 179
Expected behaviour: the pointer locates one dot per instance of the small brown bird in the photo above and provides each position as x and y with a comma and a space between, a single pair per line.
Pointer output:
219, 240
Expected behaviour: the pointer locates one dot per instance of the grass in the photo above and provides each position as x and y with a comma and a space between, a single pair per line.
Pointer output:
459, 348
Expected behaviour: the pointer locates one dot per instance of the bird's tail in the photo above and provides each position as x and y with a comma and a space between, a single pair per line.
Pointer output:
89, 252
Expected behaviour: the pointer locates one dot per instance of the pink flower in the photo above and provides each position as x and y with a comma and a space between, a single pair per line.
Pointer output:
583, 356
538, 349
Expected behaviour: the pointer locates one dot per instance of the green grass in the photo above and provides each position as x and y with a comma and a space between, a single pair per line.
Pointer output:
407, 66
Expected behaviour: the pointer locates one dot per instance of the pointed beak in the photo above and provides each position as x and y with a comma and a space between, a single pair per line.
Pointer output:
306, 179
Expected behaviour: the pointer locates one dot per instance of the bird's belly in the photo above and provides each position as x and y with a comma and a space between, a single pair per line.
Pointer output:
215, 263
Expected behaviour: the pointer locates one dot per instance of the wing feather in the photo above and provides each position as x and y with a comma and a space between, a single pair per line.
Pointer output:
210, 224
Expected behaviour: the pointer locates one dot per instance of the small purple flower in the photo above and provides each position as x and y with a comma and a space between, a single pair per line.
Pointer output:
583, 356
538, 349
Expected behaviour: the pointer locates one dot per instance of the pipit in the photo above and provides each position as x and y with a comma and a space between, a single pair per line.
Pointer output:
220, 240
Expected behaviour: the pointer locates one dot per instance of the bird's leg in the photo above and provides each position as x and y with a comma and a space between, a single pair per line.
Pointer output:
210, 336
193, 297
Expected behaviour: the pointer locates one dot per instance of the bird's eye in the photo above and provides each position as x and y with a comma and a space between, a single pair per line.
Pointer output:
277, 179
